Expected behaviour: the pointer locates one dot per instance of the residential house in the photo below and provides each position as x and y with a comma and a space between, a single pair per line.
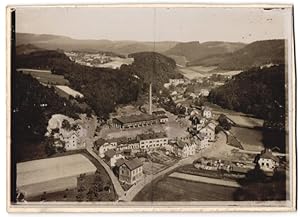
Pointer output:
112, 156
208, 131
72, 141
201, 143
267, 161
206, 113
163, 119
184, 149
204, 92
130, 171
105, 145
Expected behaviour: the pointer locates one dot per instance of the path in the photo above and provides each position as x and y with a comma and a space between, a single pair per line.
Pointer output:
184, 176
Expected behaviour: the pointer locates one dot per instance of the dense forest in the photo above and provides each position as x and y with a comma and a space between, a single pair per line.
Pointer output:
32, 106
258, 91
105, 88
194, 50
261, 92
252, 55
153, 67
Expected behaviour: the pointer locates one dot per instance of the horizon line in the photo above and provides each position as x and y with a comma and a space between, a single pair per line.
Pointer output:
145, 41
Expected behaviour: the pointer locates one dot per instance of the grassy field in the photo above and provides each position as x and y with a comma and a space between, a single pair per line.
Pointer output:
46, 77
203, 69
116, 62
194, 72
251, 139
170, 189
106, 191
152, 168
245, 121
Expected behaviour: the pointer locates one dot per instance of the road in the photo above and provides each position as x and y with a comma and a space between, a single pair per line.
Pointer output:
132, 192
118, 188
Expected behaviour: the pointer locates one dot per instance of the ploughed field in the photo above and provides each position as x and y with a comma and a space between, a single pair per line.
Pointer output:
171, 189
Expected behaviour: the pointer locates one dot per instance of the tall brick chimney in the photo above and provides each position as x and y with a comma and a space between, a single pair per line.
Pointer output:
150, 98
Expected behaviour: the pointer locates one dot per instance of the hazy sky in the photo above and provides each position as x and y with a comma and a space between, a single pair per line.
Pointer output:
160, 24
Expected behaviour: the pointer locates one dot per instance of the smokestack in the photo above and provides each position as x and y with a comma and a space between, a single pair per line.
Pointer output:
150, 98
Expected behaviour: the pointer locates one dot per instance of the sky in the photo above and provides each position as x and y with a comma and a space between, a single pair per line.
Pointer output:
156, 24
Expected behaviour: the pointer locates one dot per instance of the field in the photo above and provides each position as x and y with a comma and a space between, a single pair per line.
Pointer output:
45, 76
116, 62
194, 72
203, 69
105, 190
190, 74
245, 121
251, 139
170, 189
150, 168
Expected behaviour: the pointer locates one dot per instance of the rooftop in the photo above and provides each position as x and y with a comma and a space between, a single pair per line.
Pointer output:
267, 153
133, 164
43, 170
153, 135
159, 112
135, 118
110, 153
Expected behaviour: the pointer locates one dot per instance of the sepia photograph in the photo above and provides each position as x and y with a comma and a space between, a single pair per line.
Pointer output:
120, 108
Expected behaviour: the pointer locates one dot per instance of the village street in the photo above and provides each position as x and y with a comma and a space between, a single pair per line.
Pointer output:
117, 186
214, 147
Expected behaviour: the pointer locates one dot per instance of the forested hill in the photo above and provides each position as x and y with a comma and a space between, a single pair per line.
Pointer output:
153, 67
252, 55
194, 50
32, 106
258, 91
104, 88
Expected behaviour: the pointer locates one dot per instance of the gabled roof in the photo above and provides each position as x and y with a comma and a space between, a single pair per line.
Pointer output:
131, 164
110, 153
267, 154
100, 142
154, 135
120, 162
135, 118
159, 112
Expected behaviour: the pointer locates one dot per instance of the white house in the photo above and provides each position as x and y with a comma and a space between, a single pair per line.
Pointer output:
209, 132
130, 171
184, 149
163, 119
204, 92
105, 145
112, 157
267, 161
207, 113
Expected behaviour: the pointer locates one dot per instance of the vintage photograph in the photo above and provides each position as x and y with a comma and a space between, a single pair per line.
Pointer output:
146, 106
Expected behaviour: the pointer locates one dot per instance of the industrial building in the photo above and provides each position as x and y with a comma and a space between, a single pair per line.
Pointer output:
135, 121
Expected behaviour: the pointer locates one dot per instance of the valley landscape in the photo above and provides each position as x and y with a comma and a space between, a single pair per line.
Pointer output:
149, 121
